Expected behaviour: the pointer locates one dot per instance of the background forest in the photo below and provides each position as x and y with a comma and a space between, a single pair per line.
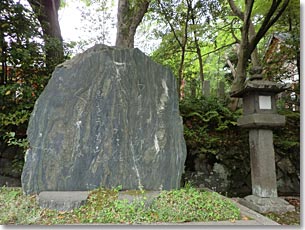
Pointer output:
200, 41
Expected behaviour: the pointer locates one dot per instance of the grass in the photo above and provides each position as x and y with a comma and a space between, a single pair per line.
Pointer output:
103, 206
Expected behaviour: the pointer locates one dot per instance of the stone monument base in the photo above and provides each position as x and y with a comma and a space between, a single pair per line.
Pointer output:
62, 200
267, 204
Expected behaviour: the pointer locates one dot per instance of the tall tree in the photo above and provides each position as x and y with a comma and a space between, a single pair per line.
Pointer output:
47, 14
130, 15
203, 13
178, 20
250, 38
19, 48
197, 45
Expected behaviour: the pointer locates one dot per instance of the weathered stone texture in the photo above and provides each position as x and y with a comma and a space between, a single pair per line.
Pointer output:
263, 174
62, 201
108, 117
267, 204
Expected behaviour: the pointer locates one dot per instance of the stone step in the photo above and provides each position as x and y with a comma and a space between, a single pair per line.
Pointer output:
62, 200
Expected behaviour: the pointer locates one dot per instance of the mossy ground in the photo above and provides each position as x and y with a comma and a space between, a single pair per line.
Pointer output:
103, 206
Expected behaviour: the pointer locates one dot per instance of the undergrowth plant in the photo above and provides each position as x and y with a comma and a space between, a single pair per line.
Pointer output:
206, 120
103, 206
23, 75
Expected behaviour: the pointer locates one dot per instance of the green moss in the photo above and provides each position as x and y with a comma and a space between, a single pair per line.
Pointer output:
134, 192
103, 206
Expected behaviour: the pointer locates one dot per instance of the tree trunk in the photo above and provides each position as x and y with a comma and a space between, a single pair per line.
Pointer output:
198, 51
180, 73
243, 54
129, 17
234, 100
254, 56
3, 76
47, 14
183, 50
201, 74
241, 67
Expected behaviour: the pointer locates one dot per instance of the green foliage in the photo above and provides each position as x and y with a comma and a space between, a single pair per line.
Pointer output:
212, 136
12, 140
97, 24
17, 208
287, 138
23, 75
16, 118
190, 204
103, 206
205, 120
218, 33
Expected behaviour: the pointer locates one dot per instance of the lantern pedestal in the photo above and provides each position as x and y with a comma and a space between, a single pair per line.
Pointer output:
263, 174
260, 116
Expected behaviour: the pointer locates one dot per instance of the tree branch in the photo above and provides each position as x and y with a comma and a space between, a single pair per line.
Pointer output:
232, 31
141, 9
247, 18
213, 51
268, 22
240, 14
236, 10
169, 23
231, 66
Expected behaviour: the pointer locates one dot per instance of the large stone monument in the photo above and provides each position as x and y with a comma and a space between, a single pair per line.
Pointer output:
108, 117
260, 116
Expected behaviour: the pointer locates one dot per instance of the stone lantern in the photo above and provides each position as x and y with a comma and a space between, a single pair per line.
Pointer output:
260, 116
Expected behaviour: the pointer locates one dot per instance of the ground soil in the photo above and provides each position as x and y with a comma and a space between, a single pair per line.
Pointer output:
289, 218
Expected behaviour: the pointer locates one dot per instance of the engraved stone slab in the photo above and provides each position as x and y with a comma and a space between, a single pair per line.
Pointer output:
108, 117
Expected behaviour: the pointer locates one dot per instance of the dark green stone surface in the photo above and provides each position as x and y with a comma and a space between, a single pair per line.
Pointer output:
108, 117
